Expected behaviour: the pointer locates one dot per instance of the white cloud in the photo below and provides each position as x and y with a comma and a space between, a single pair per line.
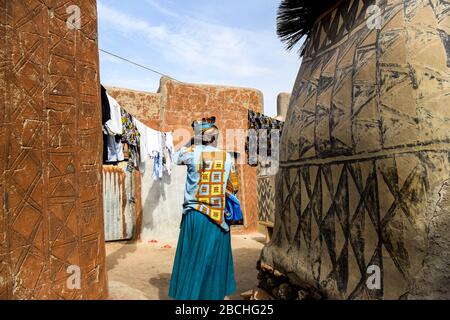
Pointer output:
127, 24
204, 50
156, 5
200, 44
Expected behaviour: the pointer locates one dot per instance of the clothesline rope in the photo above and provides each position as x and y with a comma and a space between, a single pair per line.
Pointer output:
137, 64
151, 70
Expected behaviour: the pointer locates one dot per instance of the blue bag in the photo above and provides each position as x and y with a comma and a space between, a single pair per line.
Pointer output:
233, 212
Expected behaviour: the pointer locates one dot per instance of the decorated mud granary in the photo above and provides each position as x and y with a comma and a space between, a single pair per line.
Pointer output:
362, 206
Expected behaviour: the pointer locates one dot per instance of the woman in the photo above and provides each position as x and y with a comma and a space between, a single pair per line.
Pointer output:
203, 266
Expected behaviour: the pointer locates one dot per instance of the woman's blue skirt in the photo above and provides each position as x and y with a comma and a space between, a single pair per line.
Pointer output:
203, 267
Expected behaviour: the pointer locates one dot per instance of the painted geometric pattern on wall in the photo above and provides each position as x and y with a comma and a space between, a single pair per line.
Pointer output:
337, 24
338, 219
266, 198
372, 90
365, 148
52, 217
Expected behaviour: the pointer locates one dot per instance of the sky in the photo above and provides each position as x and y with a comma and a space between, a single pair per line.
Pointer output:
231, 42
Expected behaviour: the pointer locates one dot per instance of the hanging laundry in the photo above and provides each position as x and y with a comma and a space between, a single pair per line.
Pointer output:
150, 140
106, 115
158, 166
169, 143
130, 133
261, 123
151, 146
114, 125
142, 138
131, 137
114, 149
154, 141
106, 112
112, 129
169, 151
155, 147
109, 146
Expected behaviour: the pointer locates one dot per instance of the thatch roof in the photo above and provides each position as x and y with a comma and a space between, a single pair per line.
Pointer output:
296, 18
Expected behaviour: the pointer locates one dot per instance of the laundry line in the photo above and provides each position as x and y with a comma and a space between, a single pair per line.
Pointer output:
121, 128
150, 69
256, 121
139, 65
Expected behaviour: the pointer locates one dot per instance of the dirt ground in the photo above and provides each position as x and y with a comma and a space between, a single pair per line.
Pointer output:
141, 271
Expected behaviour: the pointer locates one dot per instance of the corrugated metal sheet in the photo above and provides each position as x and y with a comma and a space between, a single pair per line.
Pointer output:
118, 203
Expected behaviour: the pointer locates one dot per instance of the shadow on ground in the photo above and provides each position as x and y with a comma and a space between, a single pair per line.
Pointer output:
161, 282
245, 274
125, 248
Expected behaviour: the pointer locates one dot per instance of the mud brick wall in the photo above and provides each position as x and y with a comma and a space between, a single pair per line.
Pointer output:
283, 100
365, 156
51, 213
145, 106
184, 103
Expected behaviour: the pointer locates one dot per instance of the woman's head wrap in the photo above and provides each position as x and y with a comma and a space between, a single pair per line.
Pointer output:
201, 126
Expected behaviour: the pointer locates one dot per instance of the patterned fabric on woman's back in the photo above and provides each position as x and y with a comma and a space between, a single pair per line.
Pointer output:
206, 183
210, 193
233, 181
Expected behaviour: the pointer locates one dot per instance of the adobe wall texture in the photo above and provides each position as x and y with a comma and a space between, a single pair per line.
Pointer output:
143, 105
365, 156
283, 100
184, 103
51, 212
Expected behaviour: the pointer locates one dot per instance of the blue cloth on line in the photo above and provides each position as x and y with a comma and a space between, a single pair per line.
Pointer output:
158, 166
203, 267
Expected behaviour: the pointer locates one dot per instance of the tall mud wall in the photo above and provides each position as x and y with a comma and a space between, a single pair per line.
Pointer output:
363, 183
146, 106
51, 215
